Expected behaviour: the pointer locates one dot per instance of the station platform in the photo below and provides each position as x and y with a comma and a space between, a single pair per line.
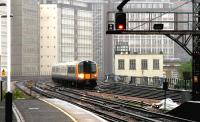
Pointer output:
53, 110
187, 110
2, 112
44, 109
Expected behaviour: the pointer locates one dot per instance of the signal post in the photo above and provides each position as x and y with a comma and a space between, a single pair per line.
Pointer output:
180, 36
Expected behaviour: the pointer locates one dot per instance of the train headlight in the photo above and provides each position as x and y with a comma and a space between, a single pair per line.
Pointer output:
94, 76
81, 76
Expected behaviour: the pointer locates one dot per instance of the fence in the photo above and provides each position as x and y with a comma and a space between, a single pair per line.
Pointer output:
156, 82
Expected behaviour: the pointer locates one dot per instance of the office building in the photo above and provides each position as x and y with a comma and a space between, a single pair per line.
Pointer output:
66, 33
25, 37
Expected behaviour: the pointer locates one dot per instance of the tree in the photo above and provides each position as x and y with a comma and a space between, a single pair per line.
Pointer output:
185, 67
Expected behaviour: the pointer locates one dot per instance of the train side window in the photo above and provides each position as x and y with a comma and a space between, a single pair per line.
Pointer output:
73, 69
69, 69
56, 69
63, 69
93, 68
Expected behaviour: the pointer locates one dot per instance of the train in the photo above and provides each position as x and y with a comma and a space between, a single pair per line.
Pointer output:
77, 73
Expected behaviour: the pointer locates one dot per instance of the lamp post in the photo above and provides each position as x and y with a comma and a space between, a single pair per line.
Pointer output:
1, 86
8, 103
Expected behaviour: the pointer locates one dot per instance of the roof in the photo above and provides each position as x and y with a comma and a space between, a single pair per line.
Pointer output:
71, 63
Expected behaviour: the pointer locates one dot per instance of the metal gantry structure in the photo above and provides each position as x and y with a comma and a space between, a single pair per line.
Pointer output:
181, 36
196, 51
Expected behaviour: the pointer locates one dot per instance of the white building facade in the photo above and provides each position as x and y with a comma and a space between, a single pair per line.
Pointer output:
25, 40
48, 37
136, 65
66, 34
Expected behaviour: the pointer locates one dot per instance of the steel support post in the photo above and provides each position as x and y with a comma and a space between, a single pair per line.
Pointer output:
196, 53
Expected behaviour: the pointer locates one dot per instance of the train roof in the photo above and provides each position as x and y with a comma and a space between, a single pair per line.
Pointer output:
71, 63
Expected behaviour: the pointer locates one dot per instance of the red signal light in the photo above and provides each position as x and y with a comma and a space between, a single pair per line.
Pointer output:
120, 27
120, 21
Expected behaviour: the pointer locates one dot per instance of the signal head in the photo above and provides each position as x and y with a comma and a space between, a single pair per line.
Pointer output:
120, 21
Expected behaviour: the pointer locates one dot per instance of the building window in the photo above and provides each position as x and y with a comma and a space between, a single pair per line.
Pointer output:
144, 64
121, 64
132, 64
156, 64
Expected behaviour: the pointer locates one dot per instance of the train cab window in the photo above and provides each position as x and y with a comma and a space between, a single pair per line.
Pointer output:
80, 68
71, 69
87, 67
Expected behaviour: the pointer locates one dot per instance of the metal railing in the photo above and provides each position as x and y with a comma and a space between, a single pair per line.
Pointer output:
156, 82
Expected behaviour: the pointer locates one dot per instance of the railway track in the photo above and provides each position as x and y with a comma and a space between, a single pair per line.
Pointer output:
74, 100
139, 91
114, 110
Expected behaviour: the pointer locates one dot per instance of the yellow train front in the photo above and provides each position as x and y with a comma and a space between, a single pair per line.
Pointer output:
76, 73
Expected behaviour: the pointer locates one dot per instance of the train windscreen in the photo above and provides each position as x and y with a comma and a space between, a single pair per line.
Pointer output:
87, 67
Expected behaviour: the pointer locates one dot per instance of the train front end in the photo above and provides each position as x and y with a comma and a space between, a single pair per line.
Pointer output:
87, 73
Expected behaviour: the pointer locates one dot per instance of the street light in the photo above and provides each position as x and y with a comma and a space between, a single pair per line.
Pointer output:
8, 102
1, 4
8, 112
1, 86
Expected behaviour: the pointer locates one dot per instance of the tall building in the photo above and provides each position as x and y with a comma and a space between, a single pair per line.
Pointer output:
48, 37
25, 37
66, 33
76, 41
145, 44
179, 52
99, 8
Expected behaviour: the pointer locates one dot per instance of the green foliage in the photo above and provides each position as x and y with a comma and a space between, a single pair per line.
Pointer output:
18, 94
185, 67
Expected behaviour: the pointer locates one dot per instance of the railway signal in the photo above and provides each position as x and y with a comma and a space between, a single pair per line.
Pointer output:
120, 21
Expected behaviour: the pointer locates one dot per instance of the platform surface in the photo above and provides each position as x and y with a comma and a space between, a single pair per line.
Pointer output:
188, 110
38, 111
80, 115
2, 112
